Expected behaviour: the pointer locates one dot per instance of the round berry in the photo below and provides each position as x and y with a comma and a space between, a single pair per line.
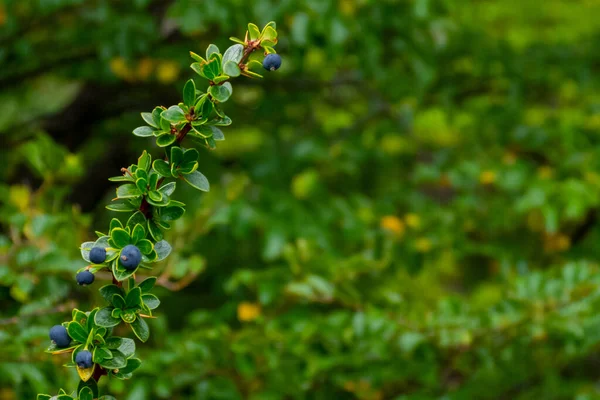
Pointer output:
83, 359
131, 257
272, 62
59, 335
84, 278
97, 255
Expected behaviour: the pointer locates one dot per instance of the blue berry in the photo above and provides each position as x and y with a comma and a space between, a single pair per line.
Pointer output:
85, 278
59, 335
272, 62
83, 359
130, 257
97, 255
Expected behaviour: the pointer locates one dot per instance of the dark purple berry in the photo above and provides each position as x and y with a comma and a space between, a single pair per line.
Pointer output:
59, 335
85, 278
97, 255
272, 62
131, 257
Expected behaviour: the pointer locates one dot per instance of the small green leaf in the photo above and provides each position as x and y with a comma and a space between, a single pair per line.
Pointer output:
136, 218
197, 180
189, 93
212, 69
176, 155
128, 191
143, 131
147, 284
171, 213
120, 237
144, 161
163, 249
226, 121
118, 301
108, 291
121, 207
86, 394
132, 365
210, 50
233, 53
149, 119
173, 114
100, 353
141, 329
167, 189
138, 233
134, 298
162, 167
77, 332
151, 301
155, 196
91, 384
231, 68
145, 246
142, 185
221, 93
154, 230
117, 361
254, 31
165, 139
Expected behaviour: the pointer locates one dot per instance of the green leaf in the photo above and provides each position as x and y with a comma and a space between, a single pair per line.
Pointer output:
117, 361
226, 121
144, 161
165, 139
236, 40
163, 249
155, 196
138, 233
154, 230
234, 53
212, 69
104, 318
171, 213
217, 134
118, 301
120, 237
197, 180
143, 131
90, 321
132, 365
167, 189
108, 291
220, 93
269, 36
149, 119
145, 246
210, 50
136, 218
128, 191
90, 384
78, 316
231, 68
141, 329
134, 298
77, 332
85, 250
147, 284
100, 354
86, 394
173, 114
43, 397
253, 31
176, 155
142, 185
122, 206
221, 78
151, 301
162, 167
189, 93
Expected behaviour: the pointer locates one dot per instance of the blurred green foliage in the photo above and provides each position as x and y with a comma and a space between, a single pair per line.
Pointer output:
406, 210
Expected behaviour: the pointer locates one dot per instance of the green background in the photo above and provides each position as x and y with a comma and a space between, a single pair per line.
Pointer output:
407, 209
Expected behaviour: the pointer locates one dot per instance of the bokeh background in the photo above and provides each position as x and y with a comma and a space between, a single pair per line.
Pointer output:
407, 209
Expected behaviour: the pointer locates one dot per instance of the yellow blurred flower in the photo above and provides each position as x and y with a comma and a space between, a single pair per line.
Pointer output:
545, 172
412, 220
248, 311
487, 177
555, 243
423, 245
119, 67
167, 71
145, 68
509, 158
20, 196
393, 224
